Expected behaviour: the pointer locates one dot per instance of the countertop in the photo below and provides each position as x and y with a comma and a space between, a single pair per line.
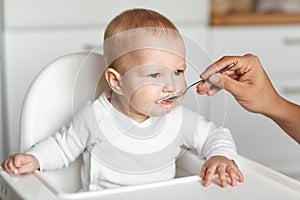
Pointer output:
254, 19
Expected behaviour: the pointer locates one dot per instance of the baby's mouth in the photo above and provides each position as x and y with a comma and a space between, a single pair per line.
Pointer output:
167, 100
170, 98
164, 102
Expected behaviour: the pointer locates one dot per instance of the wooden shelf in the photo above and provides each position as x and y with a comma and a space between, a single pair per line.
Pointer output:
254, 19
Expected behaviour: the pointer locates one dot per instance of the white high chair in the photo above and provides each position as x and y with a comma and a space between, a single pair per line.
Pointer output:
57, 92
62, 88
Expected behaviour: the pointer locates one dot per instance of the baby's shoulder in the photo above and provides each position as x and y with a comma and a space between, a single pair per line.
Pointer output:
86, 109
86, 113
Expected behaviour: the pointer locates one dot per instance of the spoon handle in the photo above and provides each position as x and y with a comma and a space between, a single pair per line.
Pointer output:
221, 71
202, 80
228, 67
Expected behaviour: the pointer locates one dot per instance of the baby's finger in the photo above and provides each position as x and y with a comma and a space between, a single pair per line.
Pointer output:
203, 171
5, 166
231, 172
240, 176
222, 176
28, 168
18, 161
210, 172
11, 167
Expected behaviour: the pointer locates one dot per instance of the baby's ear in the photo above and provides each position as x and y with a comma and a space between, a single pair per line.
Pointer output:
113, 79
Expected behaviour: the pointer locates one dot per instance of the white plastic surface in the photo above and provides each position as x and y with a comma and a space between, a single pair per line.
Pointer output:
64, 86
260, 183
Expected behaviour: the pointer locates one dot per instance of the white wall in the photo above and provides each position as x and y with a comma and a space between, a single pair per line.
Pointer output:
2, 114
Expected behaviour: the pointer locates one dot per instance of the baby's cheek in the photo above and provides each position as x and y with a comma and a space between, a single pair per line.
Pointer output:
146, 94
180, 86
151, 89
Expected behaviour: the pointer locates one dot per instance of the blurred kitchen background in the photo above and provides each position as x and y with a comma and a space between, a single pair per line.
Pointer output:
33, 33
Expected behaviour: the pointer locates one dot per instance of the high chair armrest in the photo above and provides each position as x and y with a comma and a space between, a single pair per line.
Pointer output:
27, 186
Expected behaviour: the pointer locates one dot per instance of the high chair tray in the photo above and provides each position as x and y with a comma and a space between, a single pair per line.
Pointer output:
260, 183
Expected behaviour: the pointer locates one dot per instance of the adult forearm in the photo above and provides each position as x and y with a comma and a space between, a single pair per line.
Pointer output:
287, 116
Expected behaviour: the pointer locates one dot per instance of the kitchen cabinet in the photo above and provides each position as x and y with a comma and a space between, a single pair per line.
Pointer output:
254, 18
45, 13
278, 48
37, 32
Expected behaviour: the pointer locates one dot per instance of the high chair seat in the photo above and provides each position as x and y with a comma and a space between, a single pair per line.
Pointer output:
62, 88
55, 95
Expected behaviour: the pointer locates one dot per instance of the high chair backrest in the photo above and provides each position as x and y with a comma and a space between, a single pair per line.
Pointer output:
55, 95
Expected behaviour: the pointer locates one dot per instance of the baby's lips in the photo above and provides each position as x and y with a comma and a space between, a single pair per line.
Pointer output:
166, 103
161, 99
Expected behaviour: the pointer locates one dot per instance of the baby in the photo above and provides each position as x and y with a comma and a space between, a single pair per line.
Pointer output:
128, 136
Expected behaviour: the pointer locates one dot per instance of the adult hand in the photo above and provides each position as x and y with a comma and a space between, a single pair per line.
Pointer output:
246, 81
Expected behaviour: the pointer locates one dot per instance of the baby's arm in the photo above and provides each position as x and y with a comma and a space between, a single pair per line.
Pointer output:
215, 144
221, 165
20, 163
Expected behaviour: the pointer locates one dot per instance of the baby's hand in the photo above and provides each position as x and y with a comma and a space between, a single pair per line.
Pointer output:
20, 163
220, 165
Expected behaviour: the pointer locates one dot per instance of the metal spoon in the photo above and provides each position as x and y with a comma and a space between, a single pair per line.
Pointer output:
176, 96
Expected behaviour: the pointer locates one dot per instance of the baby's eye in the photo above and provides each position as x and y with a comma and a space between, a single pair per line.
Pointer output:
178, 72
154, 75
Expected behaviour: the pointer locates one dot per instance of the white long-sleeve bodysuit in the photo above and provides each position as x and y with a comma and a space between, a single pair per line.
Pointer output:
117, 151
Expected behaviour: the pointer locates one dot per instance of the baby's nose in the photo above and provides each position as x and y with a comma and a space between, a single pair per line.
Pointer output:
169, 85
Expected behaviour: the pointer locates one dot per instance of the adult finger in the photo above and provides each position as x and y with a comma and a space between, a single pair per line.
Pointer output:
202, 88
219, 65
226, 82
207, 88
213, 90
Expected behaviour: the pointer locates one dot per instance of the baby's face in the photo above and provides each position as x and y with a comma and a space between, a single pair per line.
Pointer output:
150, 75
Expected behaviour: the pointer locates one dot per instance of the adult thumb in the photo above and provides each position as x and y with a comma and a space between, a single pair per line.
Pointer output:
225, 82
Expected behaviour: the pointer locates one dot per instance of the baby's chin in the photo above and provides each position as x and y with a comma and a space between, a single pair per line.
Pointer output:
162, 110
